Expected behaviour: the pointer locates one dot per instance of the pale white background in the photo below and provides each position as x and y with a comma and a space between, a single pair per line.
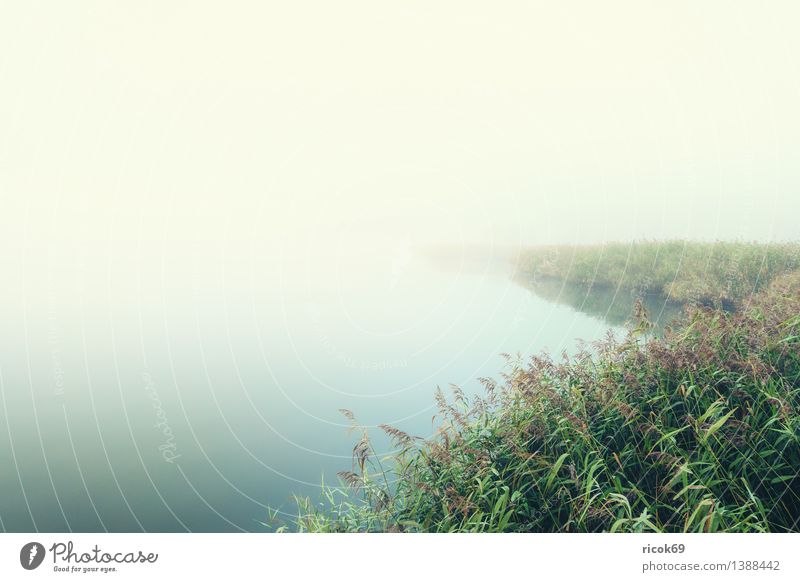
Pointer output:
412, 557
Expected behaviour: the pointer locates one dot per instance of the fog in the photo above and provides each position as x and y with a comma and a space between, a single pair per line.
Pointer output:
200, 129
211, 217
272, 144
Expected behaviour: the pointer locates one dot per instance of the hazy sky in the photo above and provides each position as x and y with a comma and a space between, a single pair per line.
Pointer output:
180, 125
222, 201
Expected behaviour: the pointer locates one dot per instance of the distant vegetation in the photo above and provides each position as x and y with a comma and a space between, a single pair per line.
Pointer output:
694, 430
720, 273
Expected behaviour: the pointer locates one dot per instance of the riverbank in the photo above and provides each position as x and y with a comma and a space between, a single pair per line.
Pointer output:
711, 273
695, 430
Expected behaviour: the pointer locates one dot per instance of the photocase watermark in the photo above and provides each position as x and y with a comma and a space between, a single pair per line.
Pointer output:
67, 559
321, 333
31, 555
168, 449
54, 341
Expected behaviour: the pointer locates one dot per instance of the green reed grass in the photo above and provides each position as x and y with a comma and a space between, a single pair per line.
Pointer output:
696, 430
712, 273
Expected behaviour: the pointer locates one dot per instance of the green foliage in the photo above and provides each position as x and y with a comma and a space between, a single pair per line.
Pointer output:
719, 273
696, 430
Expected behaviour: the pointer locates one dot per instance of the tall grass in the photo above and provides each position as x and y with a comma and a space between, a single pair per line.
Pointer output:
696, 430
718, 273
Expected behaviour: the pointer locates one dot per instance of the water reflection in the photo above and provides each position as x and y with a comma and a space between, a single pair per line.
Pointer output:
610, 304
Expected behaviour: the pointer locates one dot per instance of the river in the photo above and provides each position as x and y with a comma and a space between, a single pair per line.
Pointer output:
161, 407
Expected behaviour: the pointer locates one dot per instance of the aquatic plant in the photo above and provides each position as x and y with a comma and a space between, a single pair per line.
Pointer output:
712, 273
696, 430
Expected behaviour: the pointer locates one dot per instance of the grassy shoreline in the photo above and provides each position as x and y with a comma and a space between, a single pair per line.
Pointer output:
711, 273
695, 430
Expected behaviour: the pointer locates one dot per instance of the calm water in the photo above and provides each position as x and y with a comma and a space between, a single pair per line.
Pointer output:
196, 407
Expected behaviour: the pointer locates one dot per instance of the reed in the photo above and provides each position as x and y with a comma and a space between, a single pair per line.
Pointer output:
713, 273
692, 430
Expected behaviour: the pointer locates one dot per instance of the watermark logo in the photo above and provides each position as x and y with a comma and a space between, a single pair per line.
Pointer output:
31, 555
